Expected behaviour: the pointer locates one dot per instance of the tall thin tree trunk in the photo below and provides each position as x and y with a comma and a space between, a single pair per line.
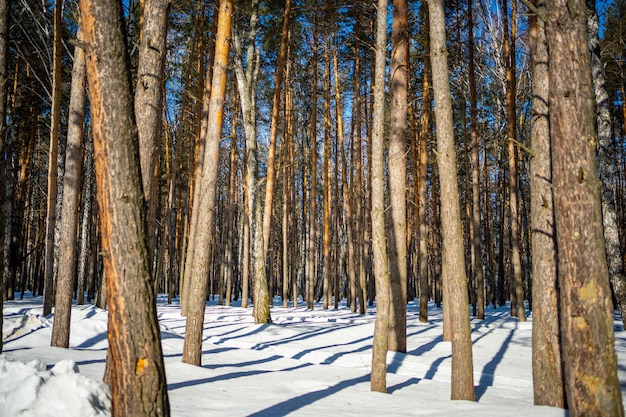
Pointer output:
586, 308
510, 57
206, 183
71, 193
4, 40
358, 182
149, 103
548, 385
85, 238
326, 263
312, 242
53, 154
246, 82
271, 168
453, 260
347, 196
606, 169
477, 242
380, 342
397, 175
423, 173
138, 385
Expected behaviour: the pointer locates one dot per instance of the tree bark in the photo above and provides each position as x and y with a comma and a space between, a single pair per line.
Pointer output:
548, 385
246, 82
423, 173
271, 168
149, 103
397, 175
606, 169
586, 309
511, 122
138, 385
477, 241
4, 40
312, 242
205, 190
53, 154
71, 193
379, 246
453, 260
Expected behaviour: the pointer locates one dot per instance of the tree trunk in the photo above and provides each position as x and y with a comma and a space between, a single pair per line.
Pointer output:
149, 103
312, 242
547, 367
423, 173
4, 40
586, 310
326, 269
206, 183
53, 154
358, 182
271, 168
511, 122
83, 277
347, 196
138, 385
71, 192
477, 242
453, 261
397, 175
606, 169
246, 82
379, 246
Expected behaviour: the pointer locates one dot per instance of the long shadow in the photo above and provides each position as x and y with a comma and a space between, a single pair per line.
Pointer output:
92, 341
225, 377
304, 336
233, 375
243, 364
434, 367
304, 352
426, 347
292, 404
487, 375
407, 383
338, 355
206, 352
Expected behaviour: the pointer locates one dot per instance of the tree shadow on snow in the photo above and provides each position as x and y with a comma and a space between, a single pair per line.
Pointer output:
289, 406
488, 372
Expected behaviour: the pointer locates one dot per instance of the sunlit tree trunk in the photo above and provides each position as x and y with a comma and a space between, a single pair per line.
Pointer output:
271, 168
586, 309
53, 154
246, 83
206, 183
71, 192
138, 385
397, 175
379, 245
453, 260
548, 385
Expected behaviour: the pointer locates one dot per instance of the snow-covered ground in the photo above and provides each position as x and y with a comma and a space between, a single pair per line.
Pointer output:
308, 363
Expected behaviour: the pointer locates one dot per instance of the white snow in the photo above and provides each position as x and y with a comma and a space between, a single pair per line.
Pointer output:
308, 363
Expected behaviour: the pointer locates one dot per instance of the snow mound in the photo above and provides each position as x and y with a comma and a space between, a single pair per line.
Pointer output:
15, 328
29, 390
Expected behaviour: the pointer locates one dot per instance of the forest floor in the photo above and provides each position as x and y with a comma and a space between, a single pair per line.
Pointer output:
308, 363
